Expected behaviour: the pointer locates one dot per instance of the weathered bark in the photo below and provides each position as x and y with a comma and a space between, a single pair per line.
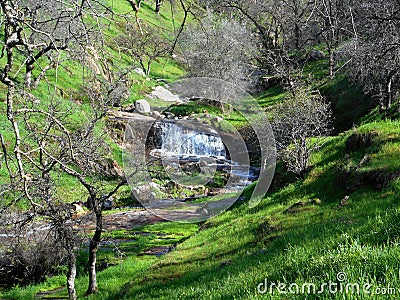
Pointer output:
93, 247
158, 6
28, 76
71, 275
389, 89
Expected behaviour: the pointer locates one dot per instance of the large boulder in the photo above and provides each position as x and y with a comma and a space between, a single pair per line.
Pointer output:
162, 93
142, 106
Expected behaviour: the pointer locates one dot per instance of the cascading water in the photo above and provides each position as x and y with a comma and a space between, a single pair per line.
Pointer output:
181, 141
188, 144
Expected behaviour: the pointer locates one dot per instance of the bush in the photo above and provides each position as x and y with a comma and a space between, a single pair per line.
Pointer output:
29, 256
298, 123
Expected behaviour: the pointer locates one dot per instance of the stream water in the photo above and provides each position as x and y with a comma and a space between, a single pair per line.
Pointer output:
180, 144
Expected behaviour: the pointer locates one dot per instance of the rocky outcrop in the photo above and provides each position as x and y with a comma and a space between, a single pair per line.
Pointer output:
359, 141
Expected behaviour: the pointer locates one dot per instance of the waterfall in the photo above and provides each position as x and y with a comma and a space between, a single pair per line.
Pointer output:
179, 140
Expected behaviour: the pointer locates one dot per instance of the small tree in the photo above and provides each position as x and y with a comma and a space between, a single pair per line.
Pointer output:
144, 47
299, 123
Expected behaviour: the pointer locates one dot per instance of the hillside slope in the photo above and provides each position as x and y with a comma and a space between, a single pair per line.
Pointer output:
64, 88
336, 231
339, 225
311, 231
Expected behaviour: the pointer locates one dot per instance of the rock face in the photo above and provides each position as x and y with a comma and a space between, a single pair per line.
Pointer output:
162, 93
142, 106
359, 141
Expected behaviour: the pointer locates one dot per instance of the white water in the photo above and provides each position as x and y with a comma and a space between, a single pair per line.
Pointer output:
188, 144
180, 141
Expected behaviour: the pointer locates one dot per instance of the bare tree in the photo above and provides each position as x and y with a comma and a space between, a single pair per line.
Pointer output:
333, 25
374, 52
299, 123
219, 48
135, 4
262, 15
28, 254
145, 47
158, 6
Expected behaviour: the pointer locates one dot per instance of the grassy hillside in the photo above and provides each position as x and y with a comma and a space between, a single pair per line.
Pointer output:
307, 232
343, 218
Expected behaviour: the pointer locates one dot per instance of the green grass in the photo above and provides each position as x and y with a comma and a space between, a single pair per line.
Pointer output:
240, 248
289, 237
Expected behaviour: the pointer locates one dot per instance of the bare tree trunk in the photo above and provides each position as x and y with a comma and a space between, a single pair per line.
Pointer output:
28, 77
331, 63
389, 91
158, 6
71, 275
136, 7
93, 247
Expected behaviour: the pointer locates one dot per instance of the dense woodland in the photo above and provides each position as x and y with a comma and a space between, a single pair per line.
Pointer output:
318, 69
